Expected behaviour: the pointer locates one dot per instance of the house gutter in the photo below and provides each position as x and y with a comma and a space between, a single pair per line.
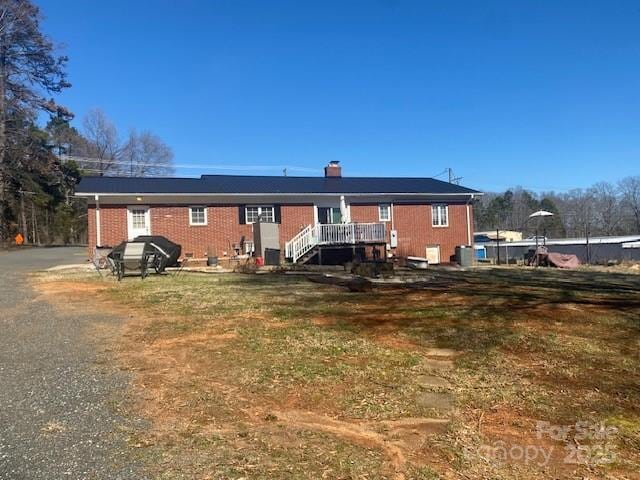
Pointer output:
273, 194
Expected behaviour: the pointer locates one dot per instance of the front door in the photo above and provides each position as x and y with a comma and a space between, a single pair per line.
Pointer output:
138, 221
329, 215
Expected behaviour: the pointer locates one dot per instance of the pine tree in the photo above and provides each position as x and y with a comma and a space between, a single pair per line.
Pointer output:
30, 72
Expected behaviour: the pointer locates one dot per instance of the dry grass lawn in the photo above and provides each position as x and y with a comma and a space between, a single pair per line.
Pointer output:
271, 376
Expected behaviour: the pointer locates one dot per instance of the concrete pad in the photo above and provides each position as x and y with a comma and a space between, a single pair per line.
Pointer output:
441, 352
431, 381
438, 364
437, 400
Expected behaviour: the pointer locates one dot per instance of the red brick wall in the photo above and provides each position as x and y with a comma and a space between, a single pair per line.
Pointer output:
222, 231
413, 223
91, 227
415, 230
293, 219
367, 213
113, 225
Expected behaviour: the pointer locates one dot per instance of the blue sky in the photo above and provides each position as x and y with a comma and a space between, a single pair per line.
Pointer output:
543, 94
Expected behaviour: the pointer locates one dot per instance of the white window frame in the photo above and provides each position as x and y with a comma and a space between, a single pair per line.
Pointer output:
260, 212
198, 224
388, 216
436, 217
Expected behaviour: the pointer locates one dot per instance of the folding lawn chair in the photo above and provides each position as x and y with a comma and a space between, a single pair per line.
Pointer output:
183, 263
134, 257
160, 258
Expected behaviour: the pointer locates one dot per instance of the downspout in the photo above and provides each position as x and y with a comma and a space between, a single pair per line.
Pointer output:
393, 218
98, 233
469, 242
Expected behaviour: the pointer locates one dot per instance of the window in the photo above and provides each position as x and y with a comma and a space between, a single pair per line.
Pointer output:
138, 218
197, 216
329, 215
384, 212
440, 215
266, 214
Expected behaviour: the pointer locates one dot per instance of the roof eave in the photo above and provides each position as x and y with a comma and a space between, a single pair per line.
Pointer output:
205, 194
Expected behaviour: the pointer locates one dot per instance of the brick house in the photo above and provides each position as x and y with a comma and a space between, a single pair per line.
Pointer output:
214, 215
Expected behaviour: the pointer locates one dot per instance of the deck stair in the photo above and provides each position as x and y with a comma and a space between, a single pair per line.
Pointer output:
302, 247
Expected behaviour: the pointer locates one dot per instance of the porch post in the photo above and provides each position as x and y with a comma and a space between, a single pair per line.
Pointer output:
469, 242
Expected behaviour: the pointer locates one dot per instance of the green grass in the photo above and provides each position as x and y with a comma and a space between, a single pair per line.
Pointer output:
550, 345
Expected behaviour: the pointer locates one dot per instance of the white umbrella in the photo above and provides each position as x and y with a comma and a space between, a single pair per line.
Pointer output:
541, 213
344, 213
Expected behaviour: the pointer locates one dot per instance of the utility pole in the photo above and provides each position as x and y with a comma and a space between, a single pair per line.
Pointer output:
23, 214
34, 223
23, 217
588, 248
587, 235
452, 177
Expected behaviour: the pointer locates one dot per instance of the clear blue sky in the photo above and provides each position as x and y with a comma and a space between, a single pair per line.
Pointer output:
544, 94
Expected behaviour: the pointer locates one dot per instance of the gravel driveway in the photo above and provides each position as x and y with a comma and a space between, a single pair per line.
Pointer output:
58, 407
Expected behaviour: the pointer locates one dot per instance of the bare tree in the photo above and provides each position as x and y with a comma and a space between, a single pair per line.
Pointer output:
630, 190
145, 154
576, 207
606, 211
29, 72
103, 144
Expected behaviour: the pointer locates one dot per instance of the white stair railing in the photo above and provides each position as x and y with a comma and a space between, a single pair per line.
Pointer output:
299, 245
333, 234
350, 233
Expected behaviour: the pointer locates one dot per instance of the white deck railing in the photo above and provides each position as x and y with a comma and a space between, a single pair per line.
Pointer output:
333, 234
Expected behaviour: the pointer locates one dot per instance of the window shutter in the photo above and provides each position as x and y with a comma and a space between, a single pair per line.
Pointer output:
241, 211
276, 214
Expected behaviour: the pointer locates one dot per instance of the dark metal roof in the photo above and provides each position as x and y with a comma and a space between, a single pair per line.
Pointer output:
241, 184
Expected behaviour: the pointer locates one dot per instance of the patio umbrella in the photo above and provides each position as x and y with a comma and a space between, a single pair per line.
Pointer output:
344, 213
541, 213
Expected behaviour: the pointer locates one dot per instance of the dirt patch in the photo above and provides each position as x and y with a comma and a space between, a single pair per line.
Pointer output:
352, 432
414, 433
67, 288
393, 340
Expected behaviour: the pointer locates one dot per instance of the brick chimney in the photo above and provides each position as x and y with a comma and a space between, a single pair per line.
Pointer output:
333, 169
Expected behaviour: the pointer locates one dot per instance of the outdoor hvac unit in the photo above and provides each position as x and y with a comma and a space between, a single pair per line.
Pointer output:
265, 235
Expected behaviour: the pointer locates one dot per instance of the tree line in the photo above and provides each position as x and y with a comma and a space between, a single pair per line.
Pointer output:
41, 164
603, 209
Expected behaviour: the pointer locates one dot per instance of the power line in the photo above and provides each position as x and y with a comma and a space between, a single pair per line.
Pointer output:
440, 174
108, 162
